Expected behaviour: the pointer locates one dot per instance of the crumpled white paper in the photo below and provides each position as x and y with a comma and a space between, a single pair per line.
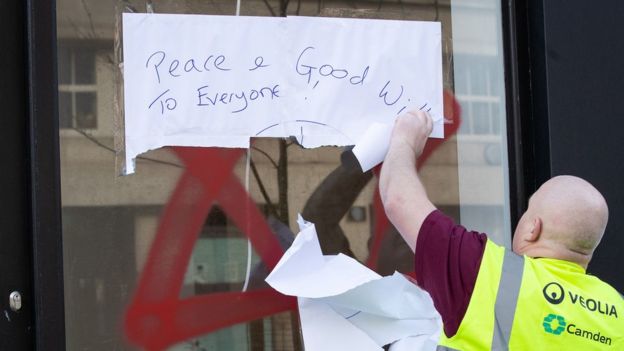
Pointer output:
343, 305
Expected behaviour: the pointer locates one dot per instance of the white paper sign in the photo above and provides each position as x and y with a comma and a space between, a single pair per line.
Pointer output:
197, 80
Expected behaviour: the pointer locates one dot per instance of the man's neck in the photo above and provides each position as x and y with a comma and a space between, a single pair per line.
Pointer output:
559, 254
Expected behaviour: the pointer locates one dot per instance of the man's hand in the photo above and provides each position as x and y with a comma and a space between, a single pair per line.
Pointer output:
403, 195
412, 128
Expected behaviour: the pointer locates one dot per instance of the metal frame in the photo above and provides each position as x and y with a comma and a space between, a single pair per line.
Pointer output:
15, 267
45, 186
527, 109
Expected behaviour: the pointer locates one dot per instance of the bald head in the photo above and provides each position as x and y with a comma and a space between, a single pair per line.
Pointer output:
569, 217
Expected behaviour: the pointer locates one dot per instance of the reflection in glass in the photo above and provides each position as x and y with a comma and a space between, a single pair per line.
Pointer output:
85, 116
66, 116
77, 86
111, 223
481, 116
84, 66
64, 65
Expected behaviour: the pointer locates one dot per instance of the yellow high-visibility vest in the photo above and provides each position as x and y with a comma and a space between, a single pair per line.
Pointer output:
523, 303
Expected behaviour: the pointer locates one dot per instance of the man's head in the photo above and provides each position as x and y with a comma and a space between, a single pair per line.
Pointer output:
566, 219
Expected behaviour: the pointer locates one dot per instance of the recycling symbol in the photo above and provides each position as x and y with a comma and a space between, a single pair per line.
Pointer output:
549, 324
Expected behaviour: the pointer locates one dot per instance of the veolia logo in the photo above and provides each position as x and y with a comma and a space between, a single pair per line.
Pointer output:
554, 324
553, 293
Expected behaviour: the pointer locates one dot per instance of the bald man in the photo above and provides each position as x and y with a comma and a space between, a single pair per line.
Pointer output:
535, 297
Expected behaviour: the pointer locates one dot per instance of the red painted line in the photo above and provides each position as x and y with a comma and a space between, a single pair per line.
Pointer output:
157, 318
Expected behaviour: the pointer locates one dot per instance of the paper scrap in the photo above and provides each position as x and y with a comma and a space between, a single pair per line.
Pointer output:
346, 306
200, 80
371, 148
317, 316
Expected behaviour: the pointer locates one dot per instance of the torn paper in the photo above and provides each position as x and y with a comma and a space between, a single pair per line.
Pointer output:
199, 80
345, 306
371, 148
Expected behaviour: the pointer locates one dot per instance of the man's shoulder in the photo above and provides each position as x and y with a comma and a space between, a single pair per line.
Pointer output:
547, 272
447, 262
608, 289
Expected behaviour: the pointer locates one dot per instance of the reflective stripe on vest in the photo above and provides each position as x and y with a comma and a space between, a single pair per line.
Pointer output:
506, 301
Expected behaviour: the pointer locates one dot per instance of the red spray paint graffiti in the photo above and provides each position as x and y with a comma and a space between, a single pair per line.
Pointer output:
156, 317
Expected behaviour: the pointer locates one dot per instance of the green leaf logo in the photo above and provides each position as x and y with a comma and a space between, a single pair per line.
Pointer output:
554, 324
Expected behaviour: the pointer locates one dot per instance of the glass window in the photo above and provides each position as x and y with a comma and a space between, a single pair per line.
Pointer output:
200, 227
77, 86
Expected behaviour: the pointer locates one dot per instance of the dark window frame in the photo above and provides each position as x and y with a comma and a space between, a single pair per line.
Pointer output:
16, 327
527, 111
45, 190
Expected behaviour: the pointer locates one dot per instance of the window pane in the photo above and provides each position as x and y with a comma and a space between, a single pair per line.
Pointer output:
497, 118
479, 78
64, 65
85, 110
84, 66
65, 110
481, 116
462, 80
178, 230
466, 109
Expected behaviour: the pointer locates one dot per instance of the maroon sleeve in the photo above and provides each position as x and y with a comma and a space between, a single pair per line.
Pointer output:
447, 262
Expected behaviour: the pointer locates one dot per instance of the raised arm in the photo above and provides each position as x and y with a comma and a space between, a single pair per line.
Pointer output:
403, 195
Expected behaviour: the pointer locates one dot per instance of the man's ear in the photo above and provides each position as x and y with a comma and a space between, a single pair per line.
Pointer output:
536, 231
